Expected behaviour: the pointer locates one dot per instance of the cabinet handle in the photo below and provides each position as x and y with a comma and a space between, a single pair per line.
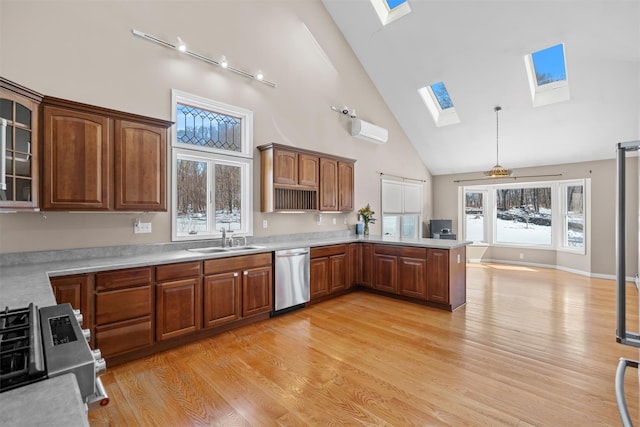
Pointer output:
3, 154
246, 273
235, 274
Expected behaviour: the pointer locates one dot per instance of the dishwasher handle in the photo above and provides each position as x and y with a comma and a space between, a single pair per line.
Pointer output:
290, 254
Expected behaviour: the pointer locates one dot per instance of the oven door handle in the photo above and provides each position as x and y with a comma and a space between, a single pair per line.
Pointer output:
620, 398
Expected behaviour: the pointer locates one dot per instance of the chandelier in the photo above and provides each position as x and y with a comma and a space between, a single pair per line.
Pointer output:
497, 171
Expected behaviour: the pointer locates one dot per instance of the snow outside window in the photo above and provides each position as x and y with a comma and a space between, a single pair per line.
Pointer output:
523, 216
573, 206
212, 168
401, 209
474, 215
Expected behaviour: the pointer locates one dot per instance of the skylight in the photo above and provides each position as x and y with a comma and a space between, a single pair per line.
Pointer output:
439, 103
441, 95
547, 74
549, 65
390, 10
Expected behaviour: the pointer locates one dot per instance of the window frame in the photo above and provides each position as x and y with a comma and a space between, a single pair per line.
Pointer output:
402, 212
548, 93
212, 156
558, 209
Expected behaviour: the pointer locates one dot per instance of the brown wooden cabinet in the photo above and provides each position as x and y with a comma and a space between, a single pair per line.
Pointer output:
401, 270
353, 271
446, 276
329, 270
124, 310
100, 159
247, 278
412, 276
19, 106
385, 272
178, 299
78, 291
366, 265
299, 179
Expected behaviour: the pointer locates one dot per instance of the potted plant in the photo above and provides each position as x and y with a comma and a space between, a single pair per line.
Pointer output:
367, 217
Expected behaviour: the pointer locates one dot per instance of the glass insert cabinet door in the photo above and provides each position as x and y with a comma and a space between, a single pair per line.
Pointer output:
19, 140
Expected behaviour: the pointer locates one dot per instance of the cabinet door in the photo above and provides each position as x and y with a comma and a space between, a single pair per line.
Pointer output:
77, 291
338, 272
412, 277
256, 291
308, 170
178, 308
22, 166
119, 338
328, 184
140, 152
221, 299
385, 271
345, 186
319, 276
354, 276
438, 275
285, 167
76, 160
366, 264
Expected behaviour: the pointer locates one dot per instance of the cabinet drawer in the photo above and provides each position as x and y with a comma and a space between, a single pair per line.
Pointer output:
124, 278
323, 251
123, 304
178, 271
237, 263
124, 336
404, 251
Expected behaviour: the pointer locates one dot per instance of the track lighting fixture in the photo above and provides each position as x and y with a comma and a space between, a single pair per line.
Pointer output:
222, 63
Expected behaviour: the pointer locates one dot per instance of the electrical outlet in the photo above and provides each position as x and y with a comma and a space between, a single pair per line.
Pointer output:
142, 227
345, 221
264, 223
334, 221
521, 256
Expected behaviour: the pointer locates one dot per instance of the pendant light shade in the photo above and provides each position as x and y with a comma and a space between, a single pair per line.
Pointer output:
497, 171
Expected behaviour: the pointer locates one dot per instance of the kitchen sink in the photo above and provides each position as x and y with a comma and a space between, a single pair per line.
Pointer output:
218, 249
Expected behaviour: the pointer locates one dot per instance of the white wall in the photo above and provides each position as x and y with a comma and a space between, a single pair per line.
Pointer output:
84, 51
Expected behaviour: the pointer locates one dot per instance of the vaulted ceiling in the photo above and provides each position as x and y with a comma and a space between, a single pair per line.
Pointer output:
477, 48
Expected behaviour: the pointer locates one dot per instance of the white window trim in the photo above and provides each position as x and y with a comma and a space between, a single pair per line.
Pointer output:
387, 15
440, 117
402, 212
245, 116
212, 156
557, 228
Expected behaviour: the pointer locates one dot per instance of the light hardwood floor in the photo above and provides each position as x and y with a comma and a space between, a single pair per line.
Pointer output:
532, 346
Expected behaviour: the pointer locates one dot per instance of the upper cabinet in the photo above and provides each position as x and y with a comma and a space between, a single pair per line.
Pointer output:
19, 109
99, 159
295, 179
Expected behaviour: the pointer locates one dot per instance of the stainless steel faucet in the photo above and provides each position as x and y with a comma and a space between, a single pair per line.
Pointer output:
224, 237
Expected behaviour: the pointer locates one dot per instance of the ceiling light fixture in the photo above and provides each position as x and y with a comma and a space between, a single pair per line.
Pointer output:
181, 46
498, 171
222, 63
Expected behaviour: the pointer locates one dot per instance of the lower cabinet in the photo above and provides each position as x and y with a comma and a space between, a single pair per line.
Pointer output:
237, 287
329, 270
124, 310
178, 299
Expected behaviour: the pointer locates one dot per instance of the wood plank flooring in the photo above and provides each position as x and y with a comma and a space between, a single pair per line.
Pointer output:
532, 347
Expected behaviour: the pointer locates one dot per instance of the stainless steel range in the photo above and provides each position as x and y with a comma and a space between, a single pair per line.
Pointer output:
36, 344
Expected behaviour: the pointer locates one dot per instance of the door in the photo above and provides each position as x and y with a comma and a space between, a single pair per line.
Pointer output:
178, 308
412, 277
221, 299
328, 185
256, 291
438, 275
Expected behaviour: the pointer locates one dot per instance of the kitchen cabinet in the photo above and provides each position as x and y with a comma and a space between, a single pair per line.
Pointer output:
365, 267
178, 299
353, 272
77, 290
100, 159
124, 310
446, 276
304, 180
328, 270
251, 274
401, 270
19, 106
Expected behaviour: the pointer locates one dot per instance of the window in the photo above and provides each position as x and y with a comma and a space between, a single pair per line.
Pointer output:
401, 209
573, 214
390, 10
547, 74
474, 215
437, 100
543, 214
212, 173
523, 216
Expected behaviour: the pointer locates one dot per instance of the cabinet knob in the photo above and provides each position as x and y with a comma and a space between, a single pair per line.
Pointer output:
235, 274
246, 273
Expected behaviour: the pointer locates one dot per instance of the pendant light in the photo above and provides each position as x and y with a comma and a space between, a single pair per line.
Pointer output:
497, 171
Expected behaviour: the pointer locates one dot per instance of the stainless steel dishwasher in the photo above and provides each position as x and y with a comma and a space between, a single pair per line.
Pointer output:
291, 284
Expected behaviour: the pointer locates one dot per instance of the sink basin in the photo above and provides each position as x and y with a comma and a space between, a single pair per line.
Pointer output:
209, 250
217, 249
